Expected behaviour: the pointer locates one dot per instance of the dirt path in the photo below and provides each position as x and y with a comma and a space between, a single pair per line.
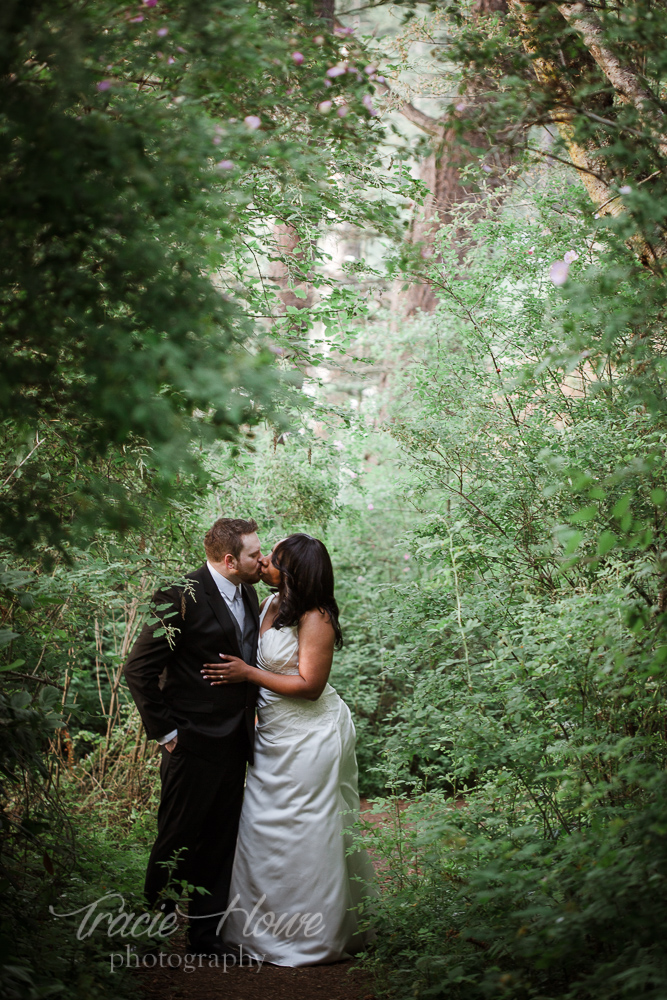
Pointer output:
328, 982
340, 981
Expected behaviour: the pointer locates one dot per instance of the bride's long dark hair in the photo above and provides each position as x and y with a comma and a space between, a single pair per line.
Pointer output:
307, 581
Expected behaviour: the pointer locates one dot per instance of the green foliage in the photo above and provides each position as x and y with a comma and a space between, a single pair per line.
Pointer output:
533, 427
144, 158
49, 872
133, 191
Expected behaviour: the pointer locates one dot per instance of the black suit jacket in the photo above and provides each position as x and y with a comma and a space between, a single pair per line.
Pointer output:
166, 681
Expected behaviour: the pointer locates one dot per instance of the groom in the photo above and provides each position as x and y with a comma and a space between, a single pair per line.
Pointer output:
206, 732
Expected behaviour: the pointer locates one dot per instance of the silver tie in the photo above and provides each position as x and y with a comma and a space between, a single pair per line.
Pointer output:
238, 609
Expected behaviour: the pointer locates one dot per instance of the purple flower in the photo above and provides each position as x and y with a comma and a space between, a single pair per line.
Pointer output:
381, 79
370, 69
336, 70
216, 140
342, 111
150, 3
297, 57
104, 85
558, 272
225, 165
171, 61
367, 102
252, 122
324, 107
136, 20
179, 48
161, 32
570, 256
626, 189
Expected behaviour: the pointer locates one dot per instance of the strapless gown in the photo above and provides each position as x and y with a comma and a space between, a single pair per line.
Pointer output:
294, 888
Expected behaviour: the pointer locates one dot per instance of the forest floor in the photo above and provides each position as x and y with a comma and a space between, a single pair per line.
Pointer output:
340, 981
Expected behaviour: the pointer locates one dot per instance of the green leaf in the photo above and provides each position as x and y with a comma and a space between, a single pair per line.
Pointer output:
49, 698
585, 514
572, 540
6, 637
20, 700
606, 541
621, 507
12, 666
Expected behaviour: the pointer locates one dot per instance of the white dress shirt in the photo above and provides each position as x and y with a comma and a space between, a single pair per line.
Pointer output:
233, 597
232, 594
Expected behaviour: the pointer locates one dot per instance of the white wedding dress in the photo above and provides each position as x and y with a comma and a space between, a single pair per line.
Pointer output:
296, 886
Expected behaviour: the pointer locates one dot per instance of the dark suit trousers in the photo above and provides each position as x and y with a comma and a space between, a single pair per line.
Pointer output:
200, 806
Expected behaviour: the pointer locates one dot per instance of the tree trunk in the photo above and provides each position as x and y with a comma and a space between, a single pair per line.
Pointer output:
547, 74
624, 80
628, 87
287, 241
441, 172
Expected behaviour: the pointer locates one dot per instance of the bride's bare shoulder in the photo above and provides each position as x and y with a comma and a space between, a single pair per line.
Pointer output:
315, 621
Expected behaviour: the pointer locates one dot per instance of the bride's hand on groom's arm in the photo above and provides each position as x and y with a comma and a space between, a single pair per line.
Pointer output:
231, 670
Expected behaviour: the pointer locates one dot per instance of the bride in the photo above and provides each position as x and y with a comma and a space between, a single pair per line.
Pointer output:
296, 885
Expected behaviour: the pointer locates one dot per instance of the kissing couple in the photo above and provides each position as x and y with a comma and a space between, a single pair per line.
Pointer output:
274, 859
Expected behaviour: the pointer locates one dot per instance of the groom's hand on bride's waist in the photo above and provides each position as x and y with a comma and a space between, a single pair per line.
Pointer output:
230, 670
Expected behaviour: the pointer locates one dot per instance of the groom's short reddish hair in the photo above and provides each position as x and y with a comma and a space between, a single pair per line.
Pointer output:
226, 535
